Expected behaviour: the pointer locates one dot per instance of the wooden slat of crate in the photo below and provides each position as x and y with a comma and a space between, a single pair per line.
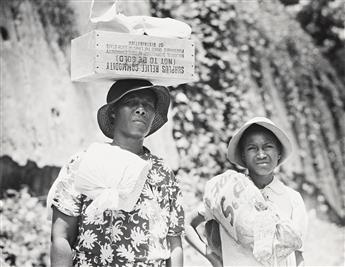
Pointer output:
110, 55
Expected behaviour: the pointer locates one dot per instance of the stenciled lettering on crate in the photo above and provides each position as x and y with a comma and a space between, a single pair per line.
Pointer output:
112, 55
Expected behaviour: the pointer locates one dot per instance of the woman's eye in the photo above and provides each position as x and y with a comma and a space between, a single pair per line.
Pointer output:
130, 102
150, 106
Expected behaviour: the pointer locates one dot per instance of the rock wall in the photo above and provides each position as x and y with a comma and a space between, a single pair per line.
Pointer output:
45, 118
306, 95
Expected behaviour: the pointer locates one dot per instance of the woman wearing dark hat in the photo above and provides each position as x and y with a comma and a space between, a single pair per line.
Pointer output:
116, 204
259, 146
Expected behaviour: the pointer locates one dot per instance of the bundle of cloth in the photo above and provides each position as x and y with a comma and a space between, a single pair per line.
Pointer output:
109, 175
105, 15
237, 204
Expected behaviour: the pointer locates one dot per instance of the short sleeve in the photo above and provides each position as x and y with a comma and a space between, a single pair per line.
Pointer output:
201, 209
62, 194
204, 208
204, 211
176, 221
299, 217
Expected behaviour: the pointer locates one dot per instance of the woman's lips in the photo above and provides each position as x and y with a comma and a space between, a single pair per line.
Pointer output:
140, 121
262, 163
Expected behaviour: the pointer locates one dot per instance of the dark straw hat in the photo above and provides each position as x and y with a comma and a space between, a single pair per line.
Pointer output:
123, 87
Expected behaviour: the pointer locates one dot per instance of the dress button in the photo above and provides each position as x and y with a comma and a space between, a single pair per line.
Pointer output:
265, 195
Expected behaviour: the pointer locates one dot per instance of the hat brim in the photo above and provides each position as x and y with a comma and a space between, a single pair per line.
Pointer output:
162, 106
234, 155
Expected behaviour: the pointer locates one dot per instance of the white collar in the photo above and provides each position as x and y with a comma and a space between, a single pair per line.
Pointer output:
276, 186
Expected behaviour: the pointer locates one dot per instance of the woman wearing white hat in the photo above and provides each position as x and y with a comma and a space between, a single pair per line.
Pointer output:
259, 146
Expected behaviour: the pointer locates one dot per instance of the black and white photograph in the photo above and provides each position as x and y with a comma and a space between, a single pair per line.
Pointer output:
170, 133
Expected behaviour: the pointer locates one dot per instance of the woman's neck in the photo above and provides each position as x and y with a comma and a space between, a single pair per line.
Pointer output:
133, 145
261, 181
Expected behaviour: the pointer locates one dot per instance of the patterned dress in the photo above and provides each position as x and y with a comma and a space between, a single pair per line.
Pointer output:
119, 238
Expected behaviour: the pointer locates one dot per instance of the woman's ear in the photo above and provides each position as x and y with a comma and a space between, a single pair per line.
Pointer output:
243, 159
112, 115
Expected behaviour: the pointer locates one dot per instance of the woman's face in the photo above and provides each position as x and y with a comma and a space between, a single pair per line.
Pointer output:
134, 114
260, 153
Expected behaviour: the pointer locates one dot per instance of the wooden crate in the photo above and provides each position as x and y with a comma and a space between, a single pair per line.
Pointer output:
112, 55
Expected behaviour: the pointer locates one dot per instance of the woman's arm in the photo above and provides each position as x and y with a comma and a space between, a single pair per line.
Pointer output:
300, 223
193, 238
299, 258
63, 235
176, 258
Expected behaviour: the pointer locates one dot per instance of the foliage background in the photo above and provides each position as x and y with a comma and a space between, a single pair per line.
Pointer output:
245, 67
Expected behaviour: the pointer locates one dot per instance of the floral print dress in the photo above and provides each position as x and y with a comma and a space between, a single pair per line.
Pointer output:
119, 238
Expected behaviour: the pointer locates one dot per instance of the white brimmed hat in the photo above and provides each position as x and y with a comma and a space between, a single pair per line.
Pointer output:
234, 155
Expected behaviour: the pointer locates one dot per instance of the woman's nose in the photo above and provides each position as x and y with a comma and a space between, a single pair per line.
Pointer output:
261, 154
140, 110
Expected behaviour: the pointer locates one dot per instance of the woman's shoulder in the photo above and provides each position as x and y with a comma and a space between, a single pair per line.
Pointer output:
294, 196
226, 175
291, 191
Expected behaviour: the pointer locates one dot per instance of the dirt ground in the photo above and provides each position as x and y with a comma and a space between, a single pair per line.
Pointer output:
325, 245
